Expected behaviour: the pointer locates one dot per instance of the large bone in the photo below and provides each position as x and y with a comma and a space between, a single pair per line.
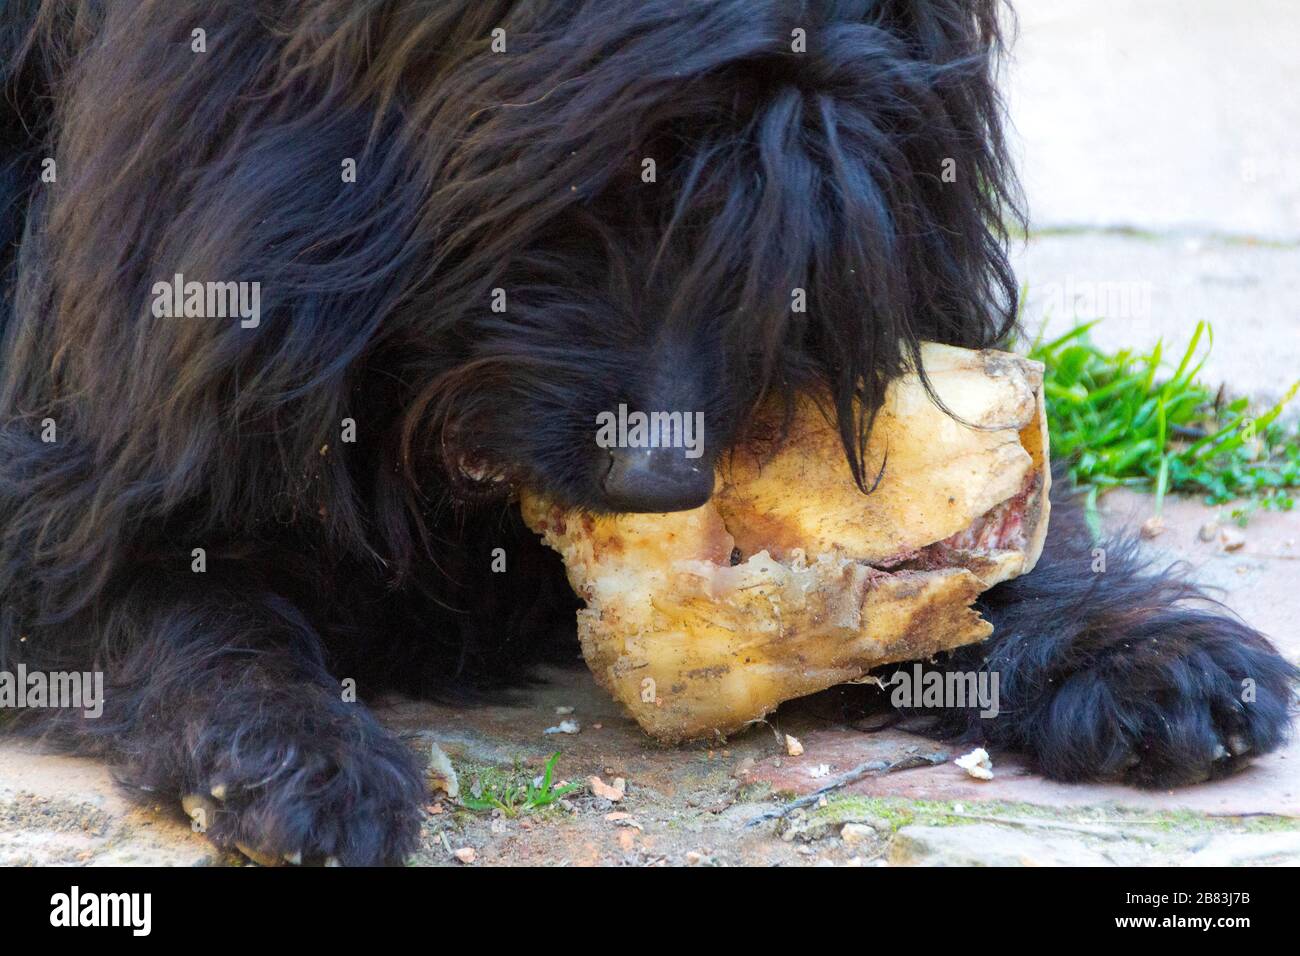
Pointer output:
830, 582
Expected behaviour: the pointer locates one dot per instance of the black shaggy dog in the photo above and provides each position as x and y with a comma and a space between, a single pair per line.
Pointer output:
229, 518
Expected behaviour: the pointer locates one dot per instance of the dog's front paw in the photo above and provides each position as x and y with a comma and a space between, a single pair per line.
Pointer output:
1177, 705
351, 795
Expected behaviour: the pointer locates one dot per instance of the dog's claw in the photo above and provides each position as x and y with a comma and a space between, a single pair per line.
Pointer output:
1238, 744
199, 809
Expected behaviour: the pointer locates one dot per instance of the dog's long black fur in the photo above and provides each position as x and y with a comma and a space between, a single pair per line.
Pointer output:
519, 170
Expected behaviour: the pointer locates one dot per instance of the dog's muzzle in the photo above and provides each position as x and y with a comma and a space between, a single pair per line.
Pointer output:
656, 480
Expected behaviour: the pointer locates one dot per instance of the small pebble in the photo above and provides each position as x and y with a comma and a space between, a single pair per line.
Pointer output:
855, 833
623, 820
613, 793
1232, 538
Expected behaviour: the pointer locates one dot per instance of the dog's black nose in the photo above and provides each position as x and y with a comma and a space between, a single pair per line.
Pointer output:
657, 480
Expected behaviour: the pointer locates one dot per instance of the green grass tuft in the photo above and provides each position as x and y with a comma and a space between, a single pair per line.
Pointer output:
1121, 419
512, 796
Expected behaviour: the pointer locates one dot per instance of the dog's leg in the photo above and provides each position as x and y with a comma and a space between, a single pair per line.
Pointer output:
224, 701
1109, 669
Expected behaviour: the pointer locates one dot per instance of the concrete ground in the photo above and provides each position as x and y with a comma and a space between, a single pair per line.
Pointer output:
1160, 149
1171, 116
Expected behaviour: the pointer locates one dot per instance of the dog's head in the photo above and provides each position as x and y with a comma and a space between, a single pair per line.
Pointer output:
668, 211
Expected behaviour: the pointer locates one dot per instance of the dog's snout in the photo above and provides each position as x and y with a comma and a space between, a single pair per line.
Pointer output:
656, 480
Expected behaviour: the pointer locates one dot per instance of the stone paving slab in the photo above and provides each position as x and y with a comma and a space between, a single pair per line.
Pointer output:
1145, 289
987, 844
1165, 115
